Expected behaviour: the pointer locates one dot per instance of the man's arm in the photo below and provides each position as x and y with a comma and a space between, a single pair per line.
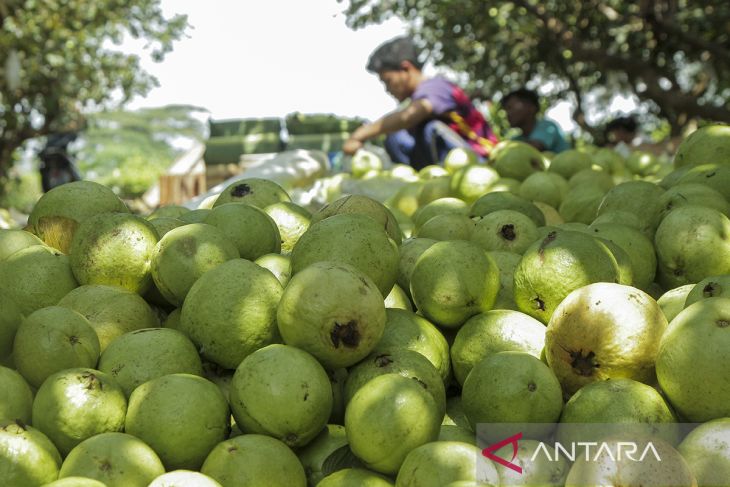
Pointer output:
413, 114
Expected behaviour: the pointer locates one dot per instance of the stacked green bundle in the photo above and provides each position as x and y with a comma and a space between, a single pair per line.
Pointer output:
229, 139
249, 126
320, 123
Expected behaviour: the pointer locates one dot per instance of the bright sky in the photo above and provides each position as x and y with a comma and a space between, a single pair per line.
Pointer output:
246, 58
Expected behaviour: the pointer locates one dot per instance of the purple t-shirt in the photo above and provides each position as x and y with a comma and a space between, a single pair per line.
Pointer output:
451, 105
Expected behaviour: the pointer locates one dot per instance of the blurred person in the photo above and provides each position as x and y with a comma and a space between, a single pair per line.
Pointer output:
522, 107
435, 116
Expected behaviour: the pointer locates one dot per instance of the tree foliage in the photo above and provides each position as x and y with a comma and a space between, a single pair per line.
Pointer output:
57, 60
673, 55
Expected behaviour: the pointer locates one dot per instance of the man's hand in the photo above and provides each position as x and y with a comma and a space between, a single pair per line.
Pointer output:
351, 146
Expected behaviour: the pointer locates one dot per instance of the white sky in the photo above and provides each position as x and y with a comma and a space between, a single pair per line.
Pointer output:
249, 58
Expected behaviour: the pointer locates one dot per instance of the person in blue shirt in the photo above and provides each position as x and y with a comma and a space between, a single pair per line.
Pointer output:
522, 107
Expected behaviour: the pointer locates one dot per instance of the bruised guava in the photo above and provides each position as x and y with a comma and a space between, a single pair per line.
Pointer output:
710, 287
116, 459
406, 363
553, 267
454, 280
296, 410
492, 332
333, 311
354, 239
53, 339
181, 416
230, 311
111, 311
98, 406
364, 205
405, 330
253, 191
503, 200
505, 230
186, 253
387, 418
439, 463
252, 461
56, 215
27, 456
604, 331
142, 355
36, 277
114, 249
253, 232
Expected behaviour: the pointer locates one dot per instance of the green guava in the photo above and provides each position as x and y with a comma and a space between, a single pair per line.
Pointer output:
76, 404
36, 277
455, 414
168, 211
116, 459
254, 191
432, 171
16, 398
452, 432
673, 301
433, 189
292, 221
607, 406
470, 182
398, 298
13, 240
277, 264
692, 243
548, 187
387, 418
353, 239
184, 478
538, 469
296, 410
708, 144
364, 205
552, 217
111, 311
405, 199
638, 247
58, 212
693, 194
195, 216
454, 280
355, 477
691, 353
505, 230
181, 416
610, 161
706, 449
715, 176
608, 466
507, 263
508, 185
642, 163
253, 461
164, 224
364, 161
142, 355
447, 226
53, 339
459, 157
639, 198
604, 331
439, 207
27, 456
406, 363
569, 162
252, 231
512, 387
114, 249
186, 253
315, 455
405, 330
410, 251
439, 463
75, 482
515, 159
581, 203
553, 267
230, 311
709, 287
403, 172
333, 311
591, 177
492, 332
10, 319
503, 200
621, 259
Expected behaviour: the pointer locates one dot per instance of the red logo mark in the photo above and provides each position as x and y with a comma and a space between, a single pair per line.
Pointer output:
488, 452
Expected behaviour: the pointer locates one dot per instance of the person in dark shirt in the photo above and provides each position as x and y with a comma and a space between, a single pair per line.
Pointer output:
438, 117
522, 107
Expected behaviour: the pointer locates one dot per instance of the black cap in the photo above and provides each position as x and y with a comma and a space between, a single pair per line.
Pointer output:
390, 54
